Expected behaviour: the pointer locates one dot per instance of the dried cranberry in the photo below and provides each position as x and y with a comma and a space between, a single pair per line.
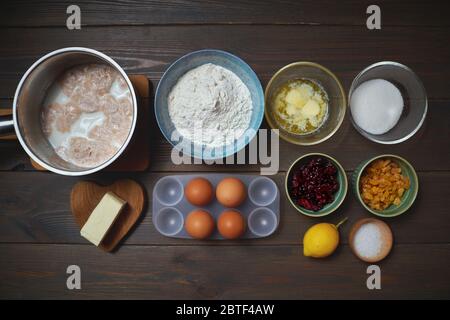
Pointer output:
314, 184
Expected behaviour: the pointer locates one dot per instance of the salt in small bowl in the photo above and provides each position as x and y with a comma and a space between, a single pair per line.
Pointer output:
386, 238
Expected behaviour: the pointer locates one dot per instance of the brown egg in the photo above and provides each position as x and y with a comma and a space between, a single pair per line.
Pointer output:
199, 192
231, 192
199, 224
231, 224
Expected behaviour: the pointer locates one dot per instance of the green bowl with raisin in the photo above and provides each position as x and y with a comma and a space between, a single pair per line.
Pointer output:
408, 197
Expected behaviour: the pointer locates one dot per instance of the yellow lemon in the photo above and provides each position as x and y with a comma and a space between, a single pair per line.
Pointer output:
321, 240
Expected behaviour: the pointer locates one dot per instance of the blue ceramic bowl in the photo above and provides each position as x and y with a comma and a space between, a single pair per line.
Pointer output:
193, 60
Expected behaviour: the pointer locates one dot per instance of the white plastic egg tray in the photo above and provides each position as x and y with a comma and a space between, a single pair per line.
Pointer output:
261, 209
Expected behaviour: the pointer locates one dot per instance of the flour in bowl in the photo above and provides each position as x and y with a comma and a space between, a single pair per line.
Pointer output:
210, 105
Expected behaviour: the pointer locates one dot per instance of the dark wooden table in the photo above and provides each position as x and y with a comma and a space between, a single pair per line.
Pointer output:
39, 237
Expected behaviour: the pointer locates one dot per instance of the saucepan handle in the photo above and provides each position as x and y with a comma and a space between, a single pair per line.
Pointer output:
6, 125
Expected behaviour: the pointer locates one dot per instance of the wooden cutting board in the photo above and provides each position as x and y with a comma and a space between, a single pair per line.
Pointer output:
136, 156
86, 195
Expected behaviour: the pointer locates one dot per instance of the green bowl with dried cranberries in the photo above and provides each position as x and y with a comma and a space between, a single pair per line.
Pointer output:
316, 184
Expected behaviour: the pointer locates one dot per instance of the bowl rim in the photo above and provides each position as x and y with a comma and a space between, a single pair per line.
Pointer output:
361, 170
344, 186
357, 225
248, 137
315, 65
353, 88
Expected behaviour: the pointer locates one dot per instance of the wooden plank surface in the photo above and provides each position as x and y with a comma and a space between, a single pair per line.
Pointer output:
39, 237
237, 272
157, 12
39, 212
346, 50
426, 150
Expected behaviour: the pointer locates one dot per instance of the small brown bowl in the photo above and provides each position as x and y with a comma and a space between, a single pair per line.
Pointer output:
386, 235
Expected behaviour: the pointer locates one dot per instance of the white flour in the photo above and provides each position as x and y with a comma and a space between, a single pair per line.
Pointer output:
210, 106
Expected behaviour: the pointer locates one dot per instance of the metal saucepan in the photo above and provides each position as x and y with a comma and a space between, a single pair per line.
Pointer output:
30, 95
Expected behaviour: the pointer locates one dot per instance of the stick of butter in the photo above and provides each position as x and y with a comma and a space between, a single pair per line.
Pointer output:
102, 218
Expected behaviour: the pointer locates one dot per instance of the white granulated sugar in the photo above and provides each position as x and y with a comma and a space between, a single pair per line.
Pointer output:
368, 240
376, 106
210, 105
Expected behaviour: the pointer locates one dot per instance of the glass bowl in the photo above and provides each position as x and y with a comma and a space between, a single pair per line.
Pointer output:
336, 106
414, 97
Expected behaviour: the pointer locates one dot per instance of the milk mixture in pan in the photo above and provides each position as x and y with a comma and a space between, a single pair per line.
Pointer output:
87, 114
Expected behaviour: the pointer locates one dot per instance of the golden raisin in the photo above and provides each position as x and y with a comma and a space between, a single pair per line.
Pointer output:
383, 184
